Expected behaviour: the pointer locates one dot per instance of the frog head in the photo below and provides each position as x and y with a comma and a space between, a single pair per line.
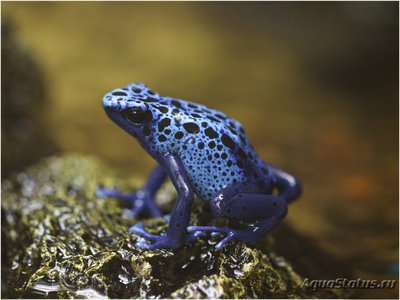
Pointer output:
129, 108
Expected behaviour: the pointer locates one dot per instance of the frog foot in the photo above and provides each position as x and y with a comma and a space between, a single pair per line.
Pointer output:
140, 200
153, 241
228, 232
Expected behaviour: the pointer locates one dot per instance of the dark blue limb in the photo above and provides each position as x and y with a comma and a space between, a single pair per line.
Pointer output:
143, 243
155, 180
289, 187
241, 201
176, 233
143, 198
249, 235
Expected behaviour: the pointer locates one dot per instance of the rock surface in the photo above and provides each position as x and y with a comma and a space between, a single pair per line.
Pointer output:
60, 241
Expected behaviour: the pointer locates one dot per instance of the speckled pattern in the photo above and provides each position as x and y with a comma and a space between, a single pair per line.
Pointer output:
213, 147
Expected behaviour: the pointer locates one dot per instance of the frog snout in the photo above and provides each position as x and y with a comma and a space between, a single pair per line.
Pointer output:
107, 102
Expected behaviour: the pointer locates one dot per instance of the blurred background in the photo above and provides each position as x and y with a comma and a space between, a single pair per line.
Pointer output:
314, 84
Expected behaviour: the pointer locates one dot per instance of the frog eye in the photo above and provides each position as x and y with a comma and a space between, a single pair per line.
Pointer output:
137, 115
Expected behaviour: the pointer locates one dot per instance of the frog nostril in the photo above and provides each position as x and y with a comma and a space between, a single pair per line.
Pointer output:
107, 102
119, 94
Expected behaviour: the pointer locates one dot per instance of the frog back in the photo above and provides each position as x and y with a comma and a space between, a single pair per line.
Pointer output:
213, 148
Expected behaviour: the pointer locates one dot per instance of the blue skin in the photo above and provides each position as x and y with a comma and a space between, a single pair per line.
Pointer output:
203, 152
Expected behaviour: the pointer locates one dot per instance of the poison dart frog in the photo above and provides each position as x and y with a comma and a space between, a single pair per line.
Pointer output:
204, 152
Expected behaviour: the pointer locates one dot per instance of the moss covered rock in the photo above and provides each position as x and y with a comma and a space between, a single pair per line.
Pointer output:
59, 240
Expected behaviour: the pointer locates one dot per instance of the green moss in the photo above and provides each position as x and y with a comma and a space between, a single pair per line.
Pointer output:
60, 241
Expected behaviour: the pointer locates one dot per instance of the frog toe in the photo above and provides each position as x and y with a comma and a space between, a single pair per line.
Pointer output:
193, 236
213, 229
102, 192
142, 243
158, 242
225, 240
138, 230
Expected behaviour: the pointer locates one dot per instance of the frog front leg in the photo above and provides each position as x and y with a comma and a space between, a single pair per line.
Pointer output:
143, 199
243, 201
176, 234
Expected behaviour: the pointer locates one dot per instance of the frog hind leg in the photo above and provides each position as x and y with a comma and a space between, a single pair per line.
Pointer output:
289, 187
143, 199
245, 201
234, 202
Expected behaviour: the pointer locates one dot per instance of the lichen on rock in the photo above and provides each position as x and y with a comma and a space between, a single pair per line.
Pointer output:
60, 241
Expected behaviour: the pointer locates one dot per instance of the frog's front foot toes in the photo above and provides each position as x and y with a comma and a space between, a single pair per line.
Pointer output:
152, 241
160, 241
141, 200
102, 192
138, 230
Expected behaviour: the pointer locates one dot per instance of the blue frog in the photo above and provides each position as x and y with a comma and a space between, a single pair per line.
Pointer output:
204, 152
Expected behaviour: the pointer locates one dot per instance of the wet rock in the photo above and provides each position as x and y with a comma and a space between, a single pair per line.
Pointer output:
60, 241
